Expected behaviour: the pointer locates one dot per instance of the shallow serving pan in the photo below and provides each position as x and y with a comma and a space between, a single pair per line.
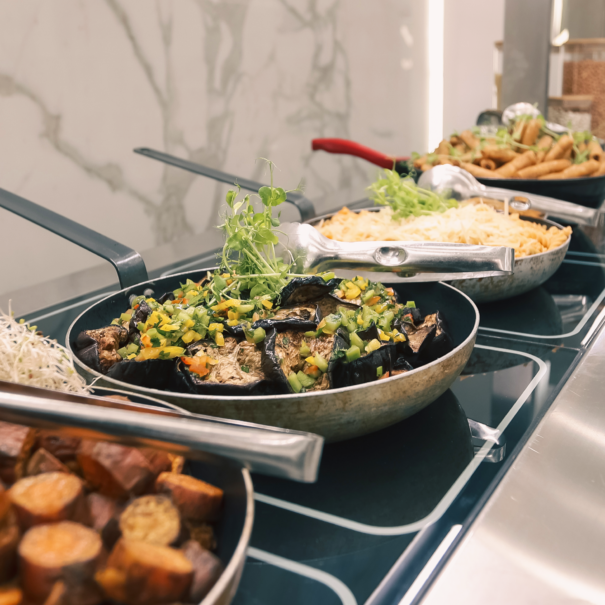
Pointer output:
530, 271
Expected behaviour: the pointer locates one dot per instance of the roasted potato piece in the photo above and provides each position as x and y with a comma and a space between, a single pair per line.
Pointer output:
207, 569
16, 443
195, 499
139, 573
11, 595
59, 551
48, 498
9, 541
114, 470
152, 519
62, 447
44, 462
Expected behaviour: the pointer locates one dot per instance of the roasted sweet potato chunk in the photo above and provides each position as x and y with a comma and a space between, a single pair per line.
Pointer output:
114, 470
159, 461
62, 447
16, 443
207, 569
151, 519
60, 551
139, 573
48, 498
11, 595
102, 509
195, 499
5, 504
44, 462
9, 541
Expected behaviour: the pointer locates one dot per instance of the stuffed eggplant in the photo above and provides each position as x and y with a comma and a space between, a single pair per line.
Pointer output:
236, 368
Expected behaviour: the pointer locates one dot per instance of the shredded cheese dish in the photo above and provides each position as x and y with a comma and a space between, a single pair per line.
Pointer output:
468, 224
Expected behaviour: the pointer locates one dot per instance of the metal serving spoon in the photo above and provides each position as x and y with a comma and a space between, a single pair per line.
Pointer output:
403, 261
263, 449
462, 185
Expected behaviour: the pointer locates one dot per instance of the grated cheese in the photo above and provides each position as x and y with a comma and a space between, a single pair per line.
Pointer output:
468, 224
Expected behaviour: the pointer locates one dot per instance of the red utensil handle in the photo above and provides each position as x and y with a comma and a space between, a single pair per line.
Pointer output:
344, 146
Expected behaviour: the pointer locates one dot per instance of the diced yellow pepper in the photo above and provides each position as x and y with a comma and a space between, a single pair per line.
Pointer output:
232, 302
219, 339
360, 320
212, 362
216, 327
399, 338
352, 293
189, 323
232, 315
148, 353
383, 336
169, 328
189, 336
267, 304
233, 322
173, 351
310, 360
225, 275
380, 308
131, 356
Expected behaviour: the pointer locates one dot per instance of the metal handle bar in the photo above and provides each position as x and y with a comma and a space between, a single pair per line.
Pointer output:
304, 205
127, 262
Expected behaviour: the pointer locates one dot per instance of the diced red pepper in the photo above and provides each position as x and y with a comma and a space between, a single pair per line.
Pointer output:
385, 375
373, 301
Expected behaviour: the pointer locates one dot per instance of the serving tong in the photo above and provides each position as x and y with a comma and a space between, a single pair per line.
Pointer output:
397, 261
462, 185
263, 449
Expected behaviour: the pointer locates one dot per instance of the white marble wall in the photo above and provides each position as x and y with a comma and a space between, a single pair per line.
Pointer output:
83, 82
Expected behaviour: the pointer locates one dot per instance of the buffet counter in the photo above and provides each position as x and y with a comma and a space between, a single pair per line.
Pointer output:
539, 538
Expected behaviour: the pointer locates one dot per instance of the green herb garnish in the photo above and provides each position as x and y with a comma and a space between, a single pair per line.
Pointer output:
405, 197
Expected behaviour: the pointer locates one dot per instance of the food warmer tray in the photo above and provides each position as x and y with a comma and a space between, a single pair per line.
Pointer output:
389, 508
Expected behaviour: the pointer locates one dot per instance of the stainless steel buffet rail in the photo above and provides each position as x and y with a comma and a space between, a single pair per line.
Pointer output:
268, 450
539, 538
304, 205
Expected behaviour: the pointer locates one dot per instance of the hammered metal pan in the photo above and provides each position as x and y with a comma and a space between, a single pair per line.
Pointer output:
336, 414
233, 530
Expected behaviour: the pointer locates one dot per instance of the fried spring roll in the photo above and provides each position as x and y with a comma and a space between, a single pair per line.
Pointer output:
446, 159
500, 155
552, 176
560, 148
478, 171
544, 145
443, 148
519, 130
533, 172
488, 164
595, 151
601, 170
583, 169
532, 130
469, 138
508, 170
